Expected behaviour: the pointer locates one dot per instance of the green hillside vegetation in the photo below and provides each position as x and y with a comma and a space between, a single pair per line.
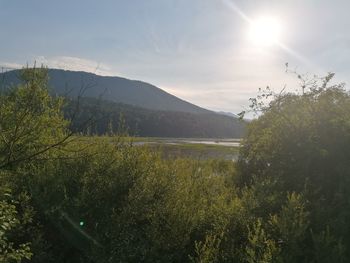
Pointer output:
107, 117
71, 198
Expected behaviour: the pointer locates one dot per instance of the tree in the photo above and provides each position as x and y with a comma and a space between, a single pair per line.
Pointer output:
31, 122
31, 126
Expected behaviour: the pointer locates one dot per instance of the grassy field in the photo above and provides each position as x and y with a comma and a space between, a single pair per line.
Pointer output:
170, 148
195, 148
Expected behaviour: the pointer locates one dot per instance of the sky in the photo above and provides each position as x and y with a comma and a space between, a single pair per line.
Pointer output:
198, 50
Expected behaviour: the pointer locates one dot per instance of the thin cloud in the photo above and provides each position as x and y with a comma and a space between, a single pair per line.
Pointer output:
76, 64
9, 66
64, 62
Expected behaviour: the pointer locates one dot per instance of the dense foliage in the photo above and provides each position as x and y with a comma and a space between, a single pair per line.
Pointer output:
67, 198
302, 143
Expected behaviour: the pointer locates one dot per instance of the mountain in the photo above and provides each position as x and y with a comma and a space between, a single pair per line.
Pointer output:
146, 109
116, 89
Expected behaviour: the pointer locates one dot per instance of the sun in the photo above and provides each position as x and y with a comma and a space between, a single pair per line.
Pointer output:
265, 31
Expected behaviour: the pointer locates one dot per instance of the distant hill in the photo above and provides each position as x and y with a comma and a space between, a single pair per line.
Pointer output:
146, 109
116, 89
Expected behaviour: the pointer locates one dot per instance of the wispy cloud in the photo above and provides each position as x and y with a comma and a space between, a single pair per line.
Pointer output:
66, 63
75, 64
8, 65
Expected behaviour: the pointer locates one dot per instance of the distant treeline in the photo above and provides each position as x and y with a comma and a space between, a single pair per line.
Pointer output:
99, 117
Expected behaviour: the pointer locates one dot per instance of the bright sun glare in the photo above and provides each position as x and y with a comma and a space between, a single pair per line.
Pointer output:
265, 31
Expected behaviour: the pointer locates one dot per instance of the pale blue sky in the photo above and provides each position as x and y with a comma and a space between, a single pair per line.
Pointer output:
195, 49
